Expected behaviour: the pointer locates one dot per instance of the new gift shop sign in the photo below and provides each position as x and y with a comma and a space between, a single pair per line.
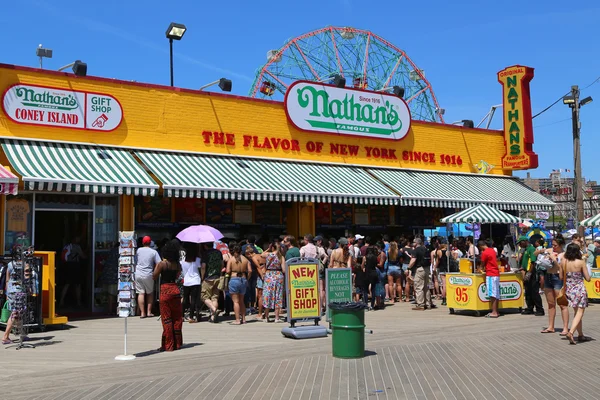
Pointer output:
518, 129
318, 107
39, 105
303, 290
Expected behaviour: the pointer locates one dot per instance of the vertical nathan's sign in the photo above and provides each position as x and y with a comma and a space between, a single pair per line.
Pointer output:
518, 128
40, 105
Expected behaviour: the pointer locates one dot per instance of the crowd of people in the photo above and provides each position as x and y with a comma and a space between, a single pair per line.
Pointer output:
244, 278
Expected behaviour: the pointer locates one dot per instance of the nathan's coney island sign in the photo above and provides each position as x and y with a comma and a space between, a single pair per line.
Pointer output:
39, 105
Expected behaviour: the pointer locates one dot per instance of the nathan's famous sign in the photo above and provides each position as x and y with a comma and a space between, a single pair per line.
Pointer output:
41, 105
325, 108
518, 129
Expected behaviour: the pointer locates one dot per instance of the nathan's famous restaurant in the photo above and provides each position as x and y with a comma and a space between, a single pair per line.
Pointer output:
86, 157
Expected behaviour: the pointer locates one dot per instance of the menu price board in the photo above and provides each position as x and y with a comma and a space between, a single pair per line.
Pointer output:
267, 213
154, 209
361, 215
189, 211
243, 212
219, 211
341, 214
379, 215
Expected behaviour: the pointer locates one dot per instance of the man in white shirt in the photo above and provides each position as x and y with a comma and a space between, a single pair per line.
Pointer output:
147, 258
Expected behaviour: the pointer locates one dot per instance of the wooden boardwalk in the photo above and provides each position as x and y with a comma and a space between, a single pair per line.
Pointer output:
411, 355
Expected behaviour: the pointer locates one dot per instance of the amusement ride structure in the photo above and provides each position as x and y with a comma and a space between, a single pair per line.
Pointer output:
357, 58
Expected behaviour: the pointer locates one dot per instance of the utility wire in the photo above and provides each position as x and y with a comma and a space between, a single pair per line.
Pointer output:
551, 105
561, 97
552, 123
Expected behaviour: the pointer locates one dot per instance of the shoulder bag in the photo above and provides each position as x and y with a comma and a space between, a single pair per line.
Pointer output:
561, 299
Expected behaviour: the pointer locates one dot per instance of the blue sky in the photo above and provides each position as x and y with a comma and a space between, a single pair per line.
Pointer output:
461, 45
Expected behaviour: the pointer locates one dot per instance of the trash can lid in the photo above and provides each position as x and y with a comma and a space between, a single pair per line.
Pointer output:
348, 305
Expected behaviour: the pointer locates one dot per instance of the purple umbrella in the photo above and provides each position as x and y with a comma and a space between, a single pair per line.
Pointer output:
199, 234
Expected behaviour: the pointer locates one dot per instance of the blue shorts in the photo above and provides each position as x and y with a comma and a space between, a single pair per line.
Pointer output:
395, 271
405, 267
492, 284
238, 285
552, 281
259, 283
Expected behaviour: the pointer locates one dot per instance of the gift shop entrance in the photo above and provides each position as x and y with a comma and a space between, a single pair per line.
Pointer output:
68, 233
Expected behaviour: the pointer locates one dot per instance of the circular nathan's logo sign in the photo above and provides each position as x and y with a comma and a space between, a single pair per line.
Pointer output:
324, 108
461, 281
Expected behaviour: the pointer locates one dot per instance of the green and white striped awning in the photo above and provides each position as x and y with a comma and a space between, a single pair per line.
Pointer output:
483, 214
77, 168
438, 189
222, 177
591, 221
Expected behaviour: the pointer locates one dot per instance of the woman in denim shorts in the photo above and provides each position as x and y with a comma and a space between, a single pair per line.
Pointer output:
394, 273
553, 284
238, 269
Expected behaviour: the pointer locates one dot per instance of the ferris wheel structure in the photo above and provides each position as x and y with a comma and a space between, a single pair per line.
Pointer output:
363, 59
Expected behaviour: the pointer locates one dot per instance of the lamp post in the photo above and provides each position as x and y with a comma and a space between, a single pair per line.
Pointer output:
174, 32
224, 85
79, 68
574, 104
43, 53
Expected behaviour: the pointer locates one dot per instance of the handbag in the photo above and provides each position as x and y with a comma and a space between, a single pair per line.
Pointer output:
5, 315
222, 283
562, 300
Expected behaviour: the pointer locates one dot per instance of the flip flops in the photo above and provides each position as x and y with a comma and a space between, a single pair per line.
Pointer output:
547, 331
491, 316
7, 341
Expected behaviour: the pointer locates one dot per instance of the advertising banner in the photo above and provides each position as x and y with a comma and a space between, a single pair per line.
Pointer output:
303, 291
338, 283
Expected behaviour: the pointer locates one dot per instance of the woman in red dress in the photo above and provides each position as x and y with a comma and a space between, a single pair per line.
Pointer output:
171, 312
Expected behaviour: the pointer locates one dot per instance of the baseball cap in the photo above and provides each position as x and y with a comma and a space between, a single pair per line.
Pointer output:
146, 240
523, 239
597, 240
357, 236
343, 241
317, 238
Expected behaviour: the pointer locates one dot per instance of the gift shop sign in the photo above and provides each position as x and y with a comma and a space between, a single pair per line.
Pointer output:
324, 108
303, 291
40, 105
518, 128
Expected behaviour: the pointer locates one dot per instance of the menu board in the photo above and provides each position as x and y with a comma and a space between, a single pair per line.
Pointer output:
189, 211
154, 209
380, 215
219, 211
243, 212
267, 213
341, 214
361, 214
323, 214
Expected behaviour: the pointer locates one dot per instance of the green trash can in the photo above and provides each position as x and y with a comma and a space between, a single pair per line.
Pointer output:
348, 329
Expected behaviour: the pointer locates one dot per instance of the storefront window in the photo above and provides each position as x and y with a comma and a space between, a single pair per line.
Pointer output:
107, 253
19, 217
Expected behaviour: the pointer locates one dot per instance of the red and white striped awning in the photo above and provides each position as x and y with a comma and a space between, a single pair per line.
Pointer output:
9, 183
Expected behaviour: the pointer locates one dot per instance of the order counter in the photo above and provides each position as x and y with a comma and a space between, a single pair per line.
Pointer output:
593, 286
467, 291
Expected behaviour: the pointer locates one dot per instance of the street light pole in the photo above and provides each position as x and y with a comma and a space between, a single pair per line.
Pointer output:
578, 186
171, 59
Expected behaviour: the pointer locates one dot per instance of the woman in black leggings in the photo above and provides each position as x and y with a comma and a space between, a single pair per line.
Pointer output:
369, 267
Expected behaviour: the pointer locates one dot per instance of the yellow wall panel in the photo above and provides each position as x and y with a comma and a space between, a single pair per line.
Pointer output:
172, 119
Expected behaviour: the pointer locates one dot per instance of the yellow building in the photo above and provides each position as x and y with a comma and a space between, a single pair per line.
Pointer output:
94, 156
